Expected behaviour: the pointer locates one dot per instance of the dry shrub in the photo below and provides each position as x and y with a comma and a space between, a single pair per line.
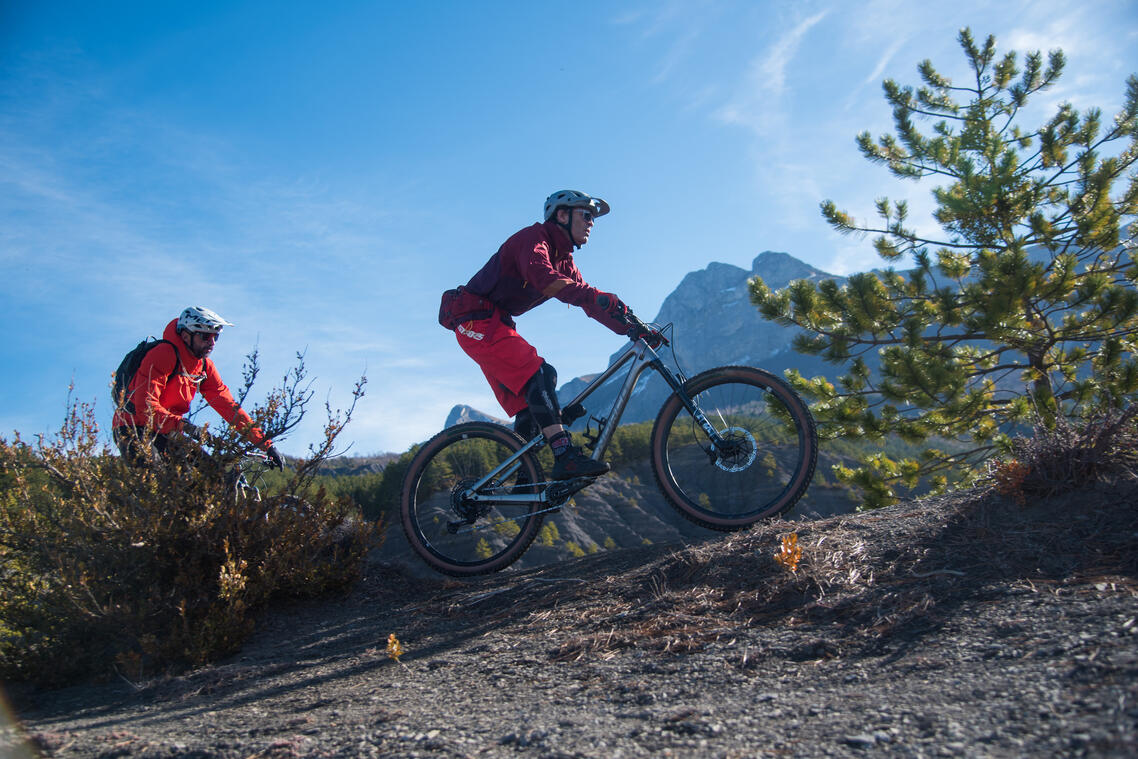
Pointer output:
1007, 477
1068, 455
136, 570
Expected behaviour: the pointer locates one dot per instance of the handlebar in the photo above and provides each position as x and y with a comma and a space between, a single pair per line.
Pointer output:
202, 437
638, 326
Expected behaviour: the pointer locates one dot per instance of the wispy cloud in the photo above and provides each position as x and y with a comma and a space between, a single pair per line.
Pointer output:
114, 219
873, 78
656, 19
758, 105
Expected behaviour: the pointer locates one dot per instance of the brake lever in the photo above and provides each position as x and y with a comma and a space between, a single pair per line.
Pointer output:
635, 322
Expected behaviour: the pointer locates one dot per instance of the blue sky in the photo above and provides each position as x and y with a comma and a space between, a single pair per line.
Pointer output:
319, 172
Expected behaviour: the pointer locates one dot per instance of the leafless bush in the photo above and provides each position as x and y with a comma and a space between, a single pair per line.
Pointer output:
1068, 455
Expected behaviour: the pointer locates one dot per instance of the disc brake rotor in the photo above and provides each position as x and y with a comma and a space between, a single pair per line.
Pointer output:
738, 450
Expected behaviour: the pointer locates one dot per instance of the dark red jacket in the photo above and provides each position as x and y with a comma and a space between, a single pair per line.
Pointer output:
531, 267
160, 404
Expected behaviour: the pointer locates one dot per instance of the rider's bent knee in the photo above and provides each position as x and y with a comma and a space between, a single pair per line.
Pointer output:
541, 395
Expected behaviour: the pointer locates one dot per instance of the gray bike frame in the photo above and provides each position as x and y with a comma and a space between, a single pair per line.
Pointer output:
642, 357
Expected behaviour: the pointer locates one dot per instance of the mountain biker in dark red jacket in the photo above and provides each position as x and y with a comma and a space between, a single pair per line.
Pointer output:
532, 266
159, 395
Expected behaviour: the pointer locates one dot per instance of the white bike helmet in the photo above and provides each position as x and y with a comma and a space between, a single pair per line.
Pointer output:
198, 319
574, 199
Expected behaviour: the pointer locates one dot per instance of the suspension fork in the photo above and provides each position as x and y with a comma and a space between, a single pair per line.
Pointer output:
689, 404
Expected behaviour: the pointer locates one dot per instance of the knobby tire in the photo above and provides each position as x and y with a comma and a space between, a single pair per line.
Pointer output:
454, 536
766, 465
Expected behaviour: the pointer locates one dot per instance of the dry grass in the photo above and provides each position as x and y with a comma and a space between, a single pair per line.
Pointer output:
712, 592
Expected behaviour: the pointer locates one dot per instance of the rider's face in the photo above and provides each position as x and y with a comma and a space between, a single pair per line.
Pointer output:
581, 225
201, 343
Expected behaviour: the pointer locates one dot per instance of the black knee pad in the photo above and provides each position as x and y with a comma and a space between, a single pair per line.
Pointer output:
541, 395
525, 425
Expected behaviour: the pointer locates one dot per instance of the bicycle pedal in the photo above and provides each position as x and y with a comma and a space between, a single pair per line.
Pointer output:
559, 492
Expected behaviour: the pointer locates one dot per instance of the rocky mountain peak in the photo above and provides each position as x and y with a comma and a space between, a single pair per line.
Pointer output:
463, 413
780, 269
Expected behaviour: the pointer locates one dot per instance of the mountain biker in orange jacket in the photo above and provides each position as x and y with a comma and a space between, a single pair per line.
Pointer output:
159, 395
532, 266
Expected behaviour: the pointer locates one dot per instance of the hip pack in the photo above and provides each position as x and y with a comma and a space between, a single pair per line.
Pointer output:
460, 305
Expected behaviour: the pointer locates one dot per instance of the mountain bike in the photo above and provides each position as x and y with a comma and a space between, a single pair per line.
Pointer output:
729, 447
247, 474
246, 477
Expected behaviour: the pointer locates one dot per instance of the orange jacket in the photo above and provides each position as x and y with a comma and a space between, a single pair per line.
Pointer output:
160, 405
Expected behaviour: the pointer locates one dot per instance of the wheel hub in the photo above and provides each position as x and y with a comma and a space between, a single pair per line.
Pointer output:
469, 510
737, 450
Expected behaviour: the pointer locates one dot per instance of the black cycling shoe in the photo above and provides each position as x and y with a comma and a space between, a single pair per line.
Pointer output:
574, 463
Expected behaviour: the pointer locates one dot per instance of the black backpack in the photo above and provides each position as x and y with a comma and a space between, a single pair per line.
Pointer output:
129, 367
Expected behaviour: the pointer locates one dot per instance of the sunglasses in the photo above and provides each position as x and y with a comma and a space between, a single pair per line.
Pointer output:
208, 335
586, 216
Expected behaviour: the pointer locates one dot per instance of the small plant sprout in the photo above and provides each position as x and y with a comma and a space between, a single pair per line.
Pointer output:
790, 553
394, 648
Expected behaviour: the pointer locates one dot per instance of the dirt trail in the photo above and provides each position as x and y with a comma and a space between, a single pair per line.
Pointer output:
950, 627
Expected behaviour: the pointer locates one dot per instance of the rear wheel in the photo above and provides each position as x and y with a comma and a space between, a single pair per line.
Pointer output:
454, 533
765, 458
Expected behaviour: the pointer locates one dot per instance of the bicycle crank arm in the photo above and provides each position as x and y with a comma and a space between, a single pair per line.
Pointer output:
558, 492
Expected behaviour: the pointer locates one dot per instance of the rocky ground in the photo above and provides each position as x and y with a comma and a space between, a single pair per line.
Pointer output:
966, 626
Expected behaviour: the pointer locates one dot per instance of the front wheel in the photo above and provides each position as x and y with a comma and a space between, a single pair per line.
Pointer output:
762, 462
459, 535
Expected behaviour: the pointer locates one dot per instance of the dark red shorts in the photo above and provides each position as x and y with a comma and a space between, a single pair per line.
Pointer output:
504, 356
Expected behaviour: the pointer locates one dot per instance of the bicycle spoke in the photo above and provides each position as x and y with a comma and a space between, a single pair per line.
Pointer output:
462, 535
762, 458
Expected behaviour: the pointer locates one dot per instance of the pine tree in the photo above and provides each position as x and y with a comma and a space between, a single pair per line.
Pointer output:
1025, 311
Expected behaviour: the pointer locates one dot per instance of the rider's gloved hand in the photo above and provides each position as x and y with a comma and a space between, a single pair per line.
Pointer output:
643, 332
191, 430
275, 458
613, 306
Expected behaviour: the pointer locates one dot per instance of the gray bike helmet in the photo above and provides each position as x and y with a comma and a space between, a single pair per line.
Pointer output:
198, 319
574, 199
